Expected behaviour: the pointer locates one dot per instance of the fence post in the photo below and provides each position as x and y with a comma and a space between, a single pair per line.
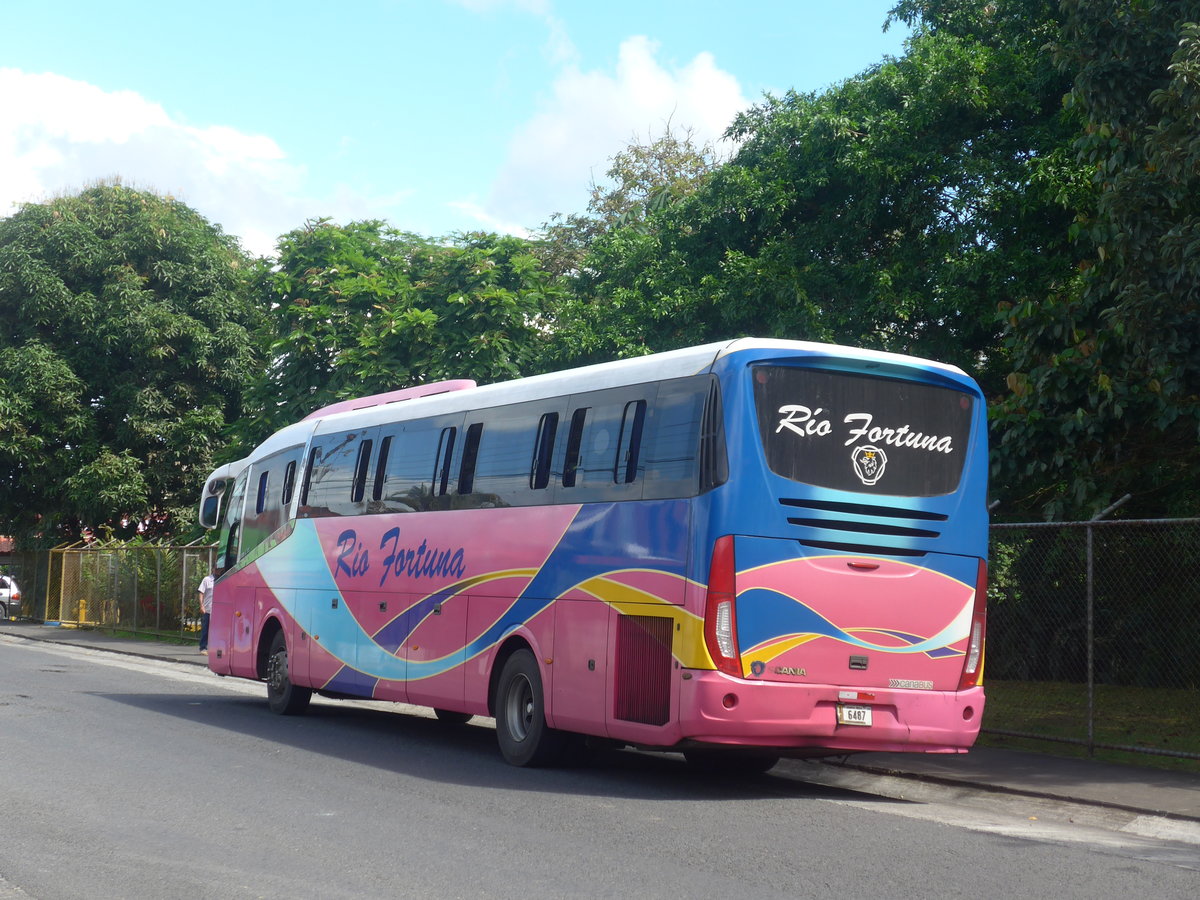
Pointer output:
1091, 647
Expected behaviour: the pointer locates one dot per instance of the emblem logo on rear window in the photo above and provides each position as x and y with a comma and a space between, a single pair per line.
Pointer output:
869, 463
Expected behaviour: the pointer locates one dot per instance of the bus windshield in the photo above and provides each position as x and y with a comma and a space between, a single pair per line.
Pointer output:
862, 433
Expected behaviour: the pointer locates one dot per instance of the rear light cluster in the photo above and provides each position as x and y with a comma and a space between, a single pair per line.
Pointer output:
973, 667
720, 621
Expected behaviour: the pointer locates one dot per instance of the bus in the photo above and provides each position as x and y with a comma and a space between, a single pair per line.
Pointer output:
739, 551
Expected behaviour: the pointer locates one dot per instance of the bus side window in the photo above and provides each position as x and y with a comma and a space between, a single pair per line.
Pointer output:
314, 459
330, 488
543, 451
358, 487
629, 445
441, 464
683, 452
574, 441
466, 471
229, 539
260, 501
289, 484
385, 449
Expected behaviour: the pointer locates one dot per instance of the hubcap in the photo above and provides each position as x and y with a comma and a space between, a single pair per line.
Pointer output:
519, 708
277, 672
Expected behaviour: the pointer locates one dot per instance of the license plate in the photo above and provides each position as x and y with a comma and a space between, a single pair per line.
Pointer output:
853, 715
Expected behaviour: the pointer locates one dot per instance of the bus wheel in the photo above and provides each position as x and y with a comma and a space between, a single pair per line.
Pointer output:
450, 717
284, 698
525, 738
730, 762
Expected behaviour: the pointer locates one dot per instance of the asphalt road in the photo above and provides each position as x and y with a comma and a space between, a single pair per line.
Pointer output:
124, 777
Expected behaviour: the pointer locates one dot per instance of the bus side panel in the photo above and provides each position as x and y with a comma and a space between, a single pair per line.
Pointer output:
436, 644
243, 631
578, 697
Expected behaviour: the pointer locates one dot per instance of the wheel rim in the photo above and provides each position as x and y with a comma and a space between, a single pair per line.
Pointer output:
277, 679
519, 708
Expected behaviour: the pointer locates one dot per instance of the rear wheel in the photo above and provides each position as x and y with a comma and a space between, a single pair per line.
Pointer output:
521, 730
3, 611
284, 698
450, 717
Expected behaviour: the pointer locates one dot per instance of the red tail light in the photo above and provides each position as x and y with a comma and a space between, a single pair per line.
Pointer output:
972, 674
720, 619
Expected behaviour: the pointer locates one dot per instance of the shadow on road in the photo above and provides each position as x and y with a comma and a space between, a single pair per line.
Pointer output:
419, 747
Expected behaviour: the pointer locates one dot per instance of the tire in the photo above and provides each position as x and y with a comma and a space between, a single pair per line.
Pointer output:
284, 698
3, 611
730, 762
450, 717
521, 730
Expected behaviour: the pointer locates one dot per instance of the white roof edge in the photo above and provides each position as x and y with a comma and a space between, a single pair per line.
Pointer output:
820, 349
617, 373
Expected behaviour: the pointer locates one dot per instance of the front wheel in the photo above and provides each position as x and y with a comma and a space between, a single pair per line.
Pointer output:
521, 730
284, 698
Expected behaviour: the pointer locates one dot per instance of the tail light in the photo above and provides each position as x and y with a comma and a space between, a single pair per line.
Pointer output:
720, 621
973, 666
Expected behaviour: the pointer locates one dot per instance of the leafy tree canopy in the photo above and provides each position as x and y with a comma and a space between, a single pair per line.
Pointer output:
894, 210
641, 179
363, 308
1105, 393
124, 351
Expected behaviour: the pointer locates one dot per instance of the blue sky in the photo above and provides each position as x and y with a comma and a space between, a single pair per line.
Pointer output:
435, 115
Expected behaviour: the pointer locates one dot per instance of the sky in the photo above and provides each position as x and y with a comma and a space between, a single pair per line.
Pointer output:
437, 116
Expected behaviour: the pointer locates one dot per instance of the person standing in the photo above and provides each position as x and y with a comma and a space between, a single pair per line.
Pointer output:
206, 597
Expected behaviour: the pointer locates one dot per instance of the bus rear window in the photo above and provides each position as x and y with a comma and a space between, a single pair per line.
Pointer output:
862, 433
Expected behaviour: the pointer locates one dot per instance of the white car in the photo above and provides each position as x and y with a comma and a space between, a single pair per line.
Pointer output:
10, 597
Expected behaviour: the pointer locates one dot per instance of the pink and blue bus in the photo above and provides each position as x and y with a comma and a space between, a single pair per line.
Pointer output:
737, 551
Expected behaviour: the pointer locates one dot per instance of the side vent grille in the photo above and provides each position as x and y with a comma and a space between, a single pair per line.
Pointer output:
643, 672
849, 530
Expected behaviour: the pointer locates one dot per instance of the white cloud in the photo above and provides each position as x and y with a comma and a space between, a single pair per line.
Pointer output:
58, 135
592, 115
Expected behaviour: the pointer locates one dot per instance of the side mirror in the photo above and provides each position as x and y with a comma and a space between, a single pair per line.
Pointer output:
210, 511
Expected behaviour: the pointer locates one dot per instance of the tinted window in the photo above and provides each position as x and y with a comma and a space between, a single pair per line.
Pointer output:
672, 442
267, 511
543, 452
289, 482
604, 429
417, 468
331, 474
861, 433
629, 446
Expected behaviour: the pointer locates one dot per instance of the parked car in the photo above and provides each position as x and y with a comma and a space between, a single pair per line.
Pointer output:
10, 597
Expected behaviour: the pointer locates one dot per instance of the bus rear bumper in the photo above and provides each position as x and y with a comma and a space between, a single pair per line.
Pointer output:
718, 709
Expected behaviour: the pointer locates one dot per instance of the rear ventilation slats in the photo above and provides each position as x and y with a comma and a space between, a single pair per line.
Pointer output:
872, 549
865, 527
865, 509
858, 522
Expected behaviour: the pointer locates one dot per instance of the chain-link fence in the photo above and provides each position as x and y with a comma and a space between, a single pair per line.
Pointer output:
1094, 634
119, 586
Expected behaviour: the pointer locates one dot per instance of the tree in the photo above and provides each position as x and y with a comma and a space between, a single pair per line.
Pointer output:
124, 351
363, 308
641, 179
1105, 392
894, 210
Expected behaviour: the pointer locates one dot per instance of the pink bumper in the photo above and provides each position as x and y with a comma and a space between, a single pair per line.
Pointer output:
718, 709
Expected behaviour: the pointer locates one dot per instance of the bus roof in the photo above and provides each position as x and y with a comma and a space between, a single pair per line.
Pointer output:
457, 396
